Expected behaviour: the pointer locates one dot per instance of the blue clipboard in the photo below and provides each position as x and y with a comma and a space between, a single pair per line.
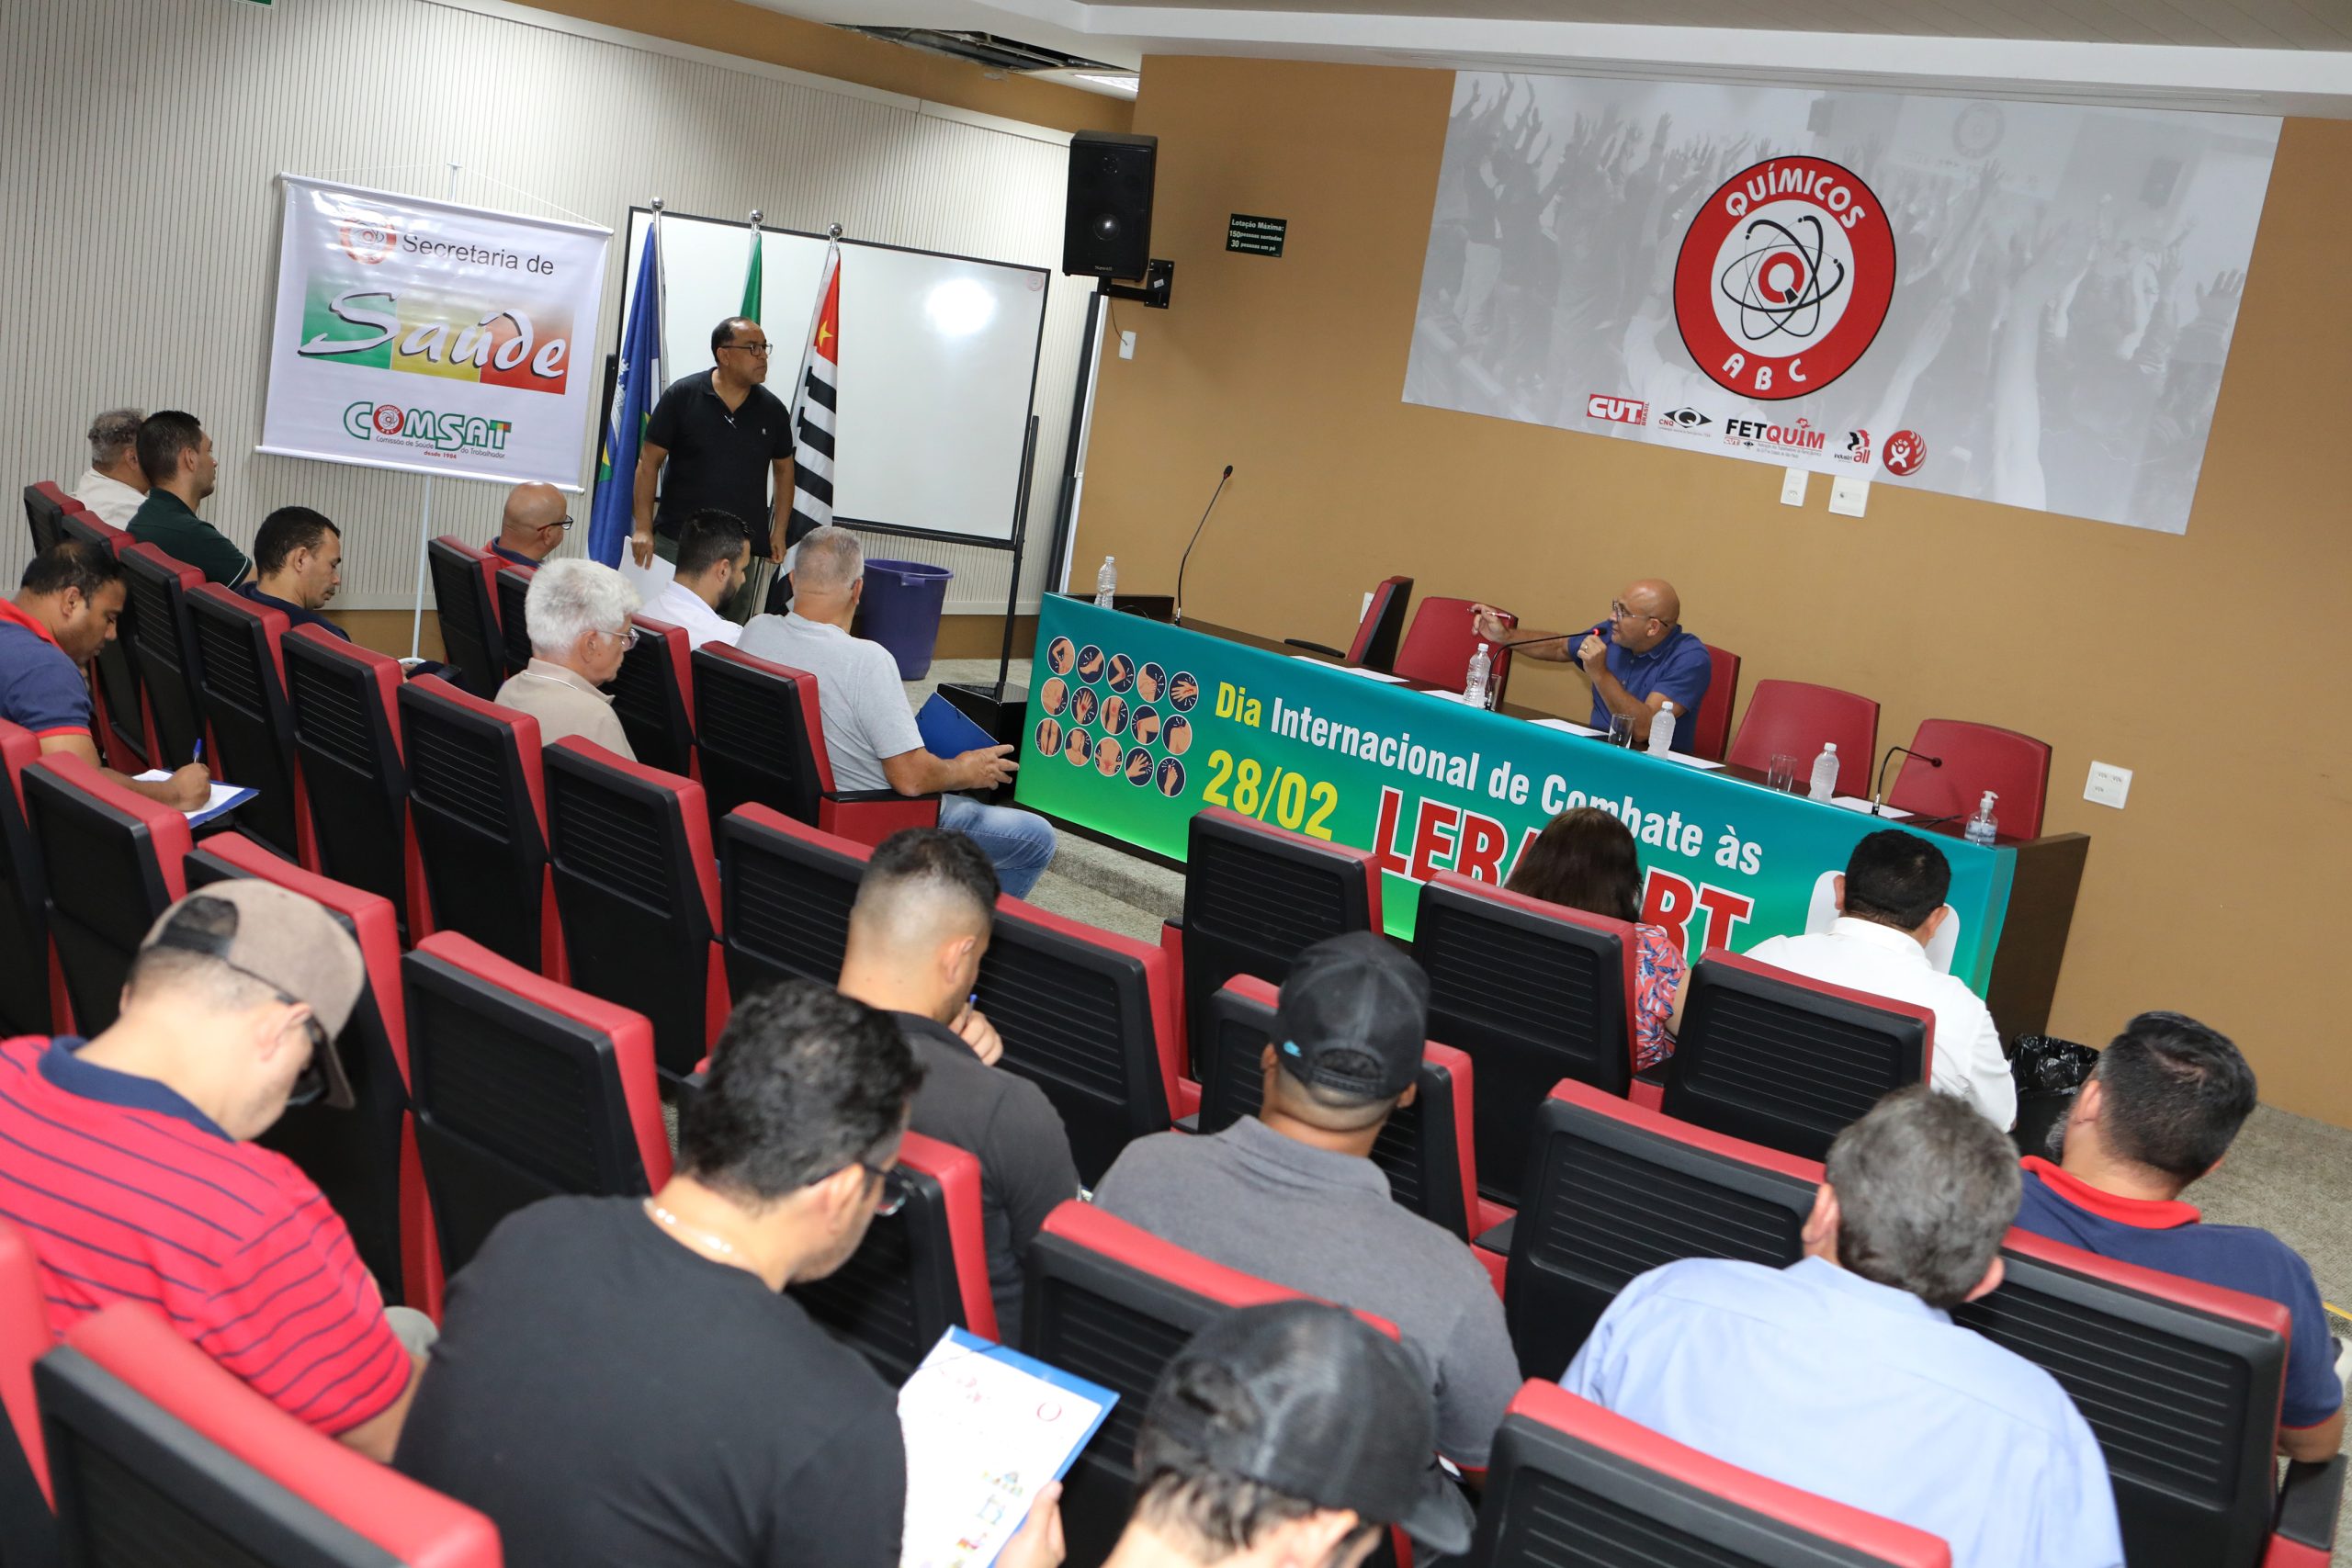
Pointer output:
965, 1341
949, 731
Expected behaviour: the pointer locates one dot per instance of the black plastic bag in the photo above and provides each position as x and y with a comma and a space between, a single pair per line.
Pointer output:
2045, 1062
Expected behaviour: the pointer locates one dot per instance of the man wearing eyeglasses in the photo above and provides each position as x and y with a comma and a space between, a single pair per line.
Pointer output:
1637, 660
533, 524
715, 439
128, 1162
579, 614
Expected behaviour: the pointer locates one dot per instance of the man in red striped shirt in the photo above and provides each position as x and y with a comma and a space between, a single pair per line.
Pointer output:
127, 1159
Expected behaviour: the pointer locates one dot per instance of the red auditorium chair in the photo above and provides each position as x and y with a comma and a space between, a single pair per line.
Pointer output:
159, 1454
1615, 1189
25, 1522
1438, 646
1794, 718
1566, 1471
1712, 728
636, 885
1786, 1060
523, 1089
112, 860
512, 584
125, 729
1976, 757
1533, 993
1256, 896
1426, 1149
465, 596
2181, 1384
1091, 1018
162, 646
240, 679
28, 980
763, 741
365, 1158
344, 705
1110, 1303
919, 1272
477, 812
784, 892
1383, 622
652, 697
45, 504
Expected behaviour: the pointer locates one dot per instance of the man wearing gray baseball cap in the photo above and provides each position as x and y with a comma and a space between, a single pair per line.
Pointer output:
128, 1160
1292, 1195
1294, 1432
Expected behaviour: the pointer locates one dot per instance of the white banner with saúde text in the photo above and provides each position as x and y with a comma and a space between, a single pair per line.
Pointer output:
423, 335
2022, 303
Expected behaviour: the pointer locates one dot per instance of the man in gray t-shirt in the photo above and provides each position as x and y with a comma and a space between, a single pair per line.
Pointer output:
870, 732
1291, 1195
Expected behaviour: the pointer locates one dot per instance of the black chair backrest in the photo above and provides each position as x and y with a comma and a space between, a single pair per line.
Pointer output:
899, 1292
24, 897
108, 885
1614, 1190
345, 731
752, 725
1254, 896
650, 698
1784, 1062
2181, 1388
1388, 617
1535, 993
785, 894
245, 702
1077, 1018
118, 673
514, 1102
630, 855
353, 1156
1416, 1148
42, 515
162, 646
470, 638
514, 623
473, 806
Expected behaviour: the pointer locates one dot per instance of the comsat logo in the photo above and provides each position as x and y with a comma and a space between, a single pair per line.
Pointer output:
397, 426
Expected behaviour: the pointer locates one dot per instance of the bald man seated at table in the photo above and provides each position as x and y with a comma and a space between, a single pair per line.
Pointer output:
1637, 660
533, 523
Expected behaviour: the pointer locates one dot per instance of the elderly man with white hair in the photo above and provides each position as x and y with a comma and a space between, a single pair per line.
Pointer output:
579, 615
870, 731
113, 486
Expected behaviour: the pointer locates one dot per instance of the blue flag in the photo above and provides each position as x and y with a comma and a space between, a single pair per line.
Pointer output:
609, 517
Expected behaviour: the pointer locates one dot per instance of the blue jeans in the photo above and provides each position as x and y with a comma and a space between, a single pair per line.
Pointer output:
1020, 844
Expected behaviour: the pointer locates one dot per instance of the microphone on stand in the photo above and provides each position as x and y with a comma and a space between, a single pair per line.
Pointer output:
1877, 795
1177, 616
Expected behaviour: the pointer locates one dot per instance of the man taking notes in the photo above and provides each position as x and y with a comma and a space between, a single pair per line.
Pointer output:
1636, 659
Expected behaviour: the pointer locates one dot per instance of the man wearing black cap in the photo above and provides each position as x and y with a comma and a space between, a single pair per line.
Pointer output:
1291, 1196
127, 1159
1288, 1433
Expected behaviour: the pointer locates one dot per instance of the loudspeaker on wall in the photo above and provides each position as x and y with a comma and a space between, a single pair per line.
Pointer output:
1106, 222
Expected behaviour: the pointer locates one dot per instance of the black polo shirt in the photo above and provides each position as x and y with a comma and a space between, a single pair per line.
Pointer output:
717, 458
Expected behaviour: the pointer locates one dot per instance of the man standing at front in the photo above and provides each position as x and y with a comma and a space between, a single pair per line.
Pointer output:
176, 454
715, 439
1637, 660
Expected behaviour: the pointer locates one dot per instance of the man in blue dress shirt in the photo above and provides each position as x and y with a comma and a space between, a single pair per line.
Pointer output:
1844, 1374
1637, 660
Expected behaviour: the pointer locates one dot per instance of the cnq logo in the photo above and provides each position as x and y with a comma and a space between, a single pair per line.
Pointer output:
422, 427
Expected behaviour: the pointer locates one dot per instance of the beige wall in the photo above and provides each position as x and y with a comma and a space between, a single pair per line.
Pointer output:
2211, 663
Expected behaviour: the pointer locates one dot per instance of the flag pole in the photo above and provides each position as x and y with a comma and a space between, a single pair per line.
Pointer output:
660, 300
424, 526
755, 278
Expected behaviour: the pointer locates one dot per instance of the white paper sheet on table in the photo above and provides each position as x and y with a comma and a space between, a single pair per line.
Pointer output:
224, 796
985, 1427
1565, 724
1855, 802
1688, 761
1353, 669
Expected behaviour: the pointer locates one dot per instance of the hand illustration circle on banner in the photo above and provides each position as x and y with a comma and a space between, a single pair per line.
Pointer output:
1784, 278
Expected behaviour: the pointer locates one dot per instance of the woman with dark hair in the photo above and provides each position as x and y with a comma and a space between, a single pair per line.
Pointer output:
1585, 859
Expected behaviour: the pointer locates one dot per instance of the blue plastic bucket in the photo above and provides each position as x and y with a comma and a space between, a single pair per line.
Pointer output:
900, 611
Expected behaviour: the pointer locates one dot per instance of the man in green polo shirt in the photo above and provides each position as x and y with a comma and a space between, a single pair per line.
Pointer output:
177, 456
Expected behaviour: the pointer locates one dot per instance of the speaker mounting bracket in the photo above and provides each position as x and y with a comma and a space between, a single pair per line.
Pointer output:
1159, 283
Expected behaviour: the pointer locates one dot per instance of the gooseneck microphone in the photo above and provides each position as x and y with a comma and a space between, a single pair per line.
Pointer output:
1177, 617
1877, 795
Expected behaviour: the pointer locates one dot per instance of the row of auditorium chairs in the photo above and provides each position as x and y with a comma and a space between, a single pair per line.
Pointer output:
1792, 719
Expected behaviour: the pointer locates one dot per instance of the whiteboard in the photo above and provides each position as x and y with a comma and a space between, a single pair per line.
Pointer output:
938, 362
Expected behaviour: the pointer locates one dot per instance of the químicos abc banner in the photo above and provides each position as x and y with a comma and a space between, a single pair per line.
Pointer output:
420, 334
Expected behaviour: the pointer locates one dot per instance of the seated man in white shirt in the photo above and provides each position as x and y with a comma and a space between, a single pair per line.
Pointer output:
1889, 904
714, 549
870, 730
114, 486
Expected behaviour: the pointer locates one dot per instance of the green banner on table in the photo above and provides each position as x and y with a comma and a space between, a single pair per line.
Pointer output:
1135, 726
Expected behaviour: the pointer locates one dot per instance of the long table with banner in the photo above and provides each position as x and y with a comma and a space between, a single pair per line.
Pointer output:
1133, 726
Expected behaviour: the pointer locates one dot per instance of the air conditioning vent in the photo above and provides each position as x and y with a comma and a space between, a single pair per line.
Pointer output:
984, 49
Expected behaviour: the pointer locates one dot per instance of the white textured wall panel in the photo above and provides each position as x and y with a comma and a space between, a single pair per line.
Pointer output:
139, 145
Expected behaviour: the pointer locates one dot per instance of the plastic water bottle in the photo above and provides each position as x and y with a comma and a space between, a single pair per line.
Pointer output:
1824, 773
1662, 729
1983, 826
1106, 581
1474, 686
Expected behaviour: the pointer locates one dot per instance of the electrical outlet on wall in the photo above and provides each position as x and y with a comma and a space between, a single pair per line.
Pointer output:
2108, 785
1127, 345
1793, 485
